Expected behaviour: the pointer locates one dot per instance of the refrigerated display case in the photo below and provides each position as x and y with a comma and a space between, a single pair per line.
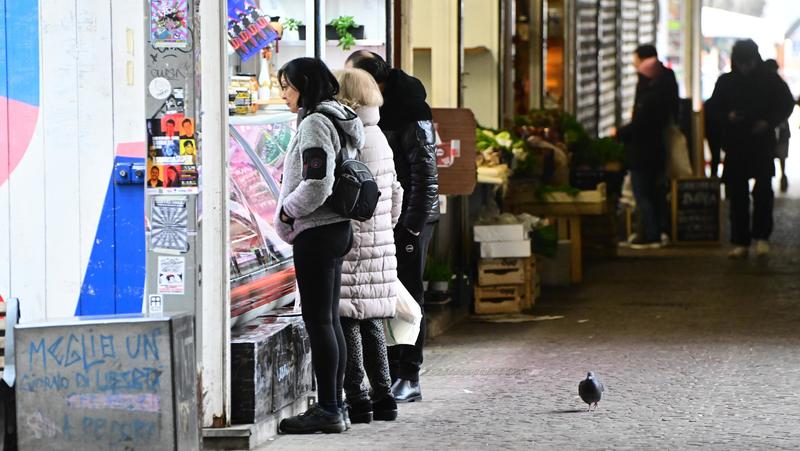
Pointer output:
262, 273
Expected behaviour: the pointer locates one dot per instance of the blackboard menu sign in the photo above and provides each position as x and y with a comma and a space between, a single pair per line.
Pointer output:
696, 212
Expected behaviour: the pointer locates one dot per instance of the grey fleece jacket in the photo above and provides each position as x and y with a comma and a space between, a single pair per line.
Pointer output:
308, 169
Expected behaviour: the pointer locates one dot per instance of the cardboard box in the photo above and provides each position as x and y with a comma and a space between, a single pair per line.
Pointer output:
500, 232
506, 249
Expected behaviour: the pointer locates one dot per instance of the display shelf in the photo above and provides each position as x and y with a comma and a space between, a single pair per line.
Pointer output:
334, 43
261, 117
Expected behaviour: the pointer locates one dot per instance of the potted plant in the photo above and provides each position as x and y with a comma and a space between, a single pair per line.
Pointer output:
438, 275
291, 24
346, 30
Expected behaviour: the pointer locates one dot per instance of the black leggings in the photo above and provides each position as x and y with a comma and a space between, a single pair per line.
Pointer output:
318, 256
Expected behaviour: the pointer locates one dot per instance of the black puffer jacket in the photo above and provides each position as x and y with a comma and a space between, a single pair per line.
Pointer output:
406, 121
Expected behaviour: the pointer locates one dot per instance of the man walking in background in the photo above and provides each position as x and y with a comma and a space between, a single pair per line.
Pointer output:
407, 122
655, 107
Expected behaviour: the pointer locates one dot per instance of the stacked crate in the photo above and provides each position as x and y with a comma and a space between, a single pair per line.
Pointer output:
506, 271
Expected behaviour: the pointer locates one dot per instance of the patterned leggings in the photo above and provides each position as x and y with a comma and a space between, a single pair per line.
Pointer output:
366, 350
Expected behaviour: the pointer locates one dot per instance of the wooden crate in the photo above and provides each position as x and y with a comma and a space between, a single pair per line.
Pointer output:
502, 271
531, 278
498, 299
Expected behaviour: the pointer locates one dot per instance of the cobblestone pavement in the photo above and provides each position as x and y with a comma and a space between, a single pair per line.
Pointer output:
695, 350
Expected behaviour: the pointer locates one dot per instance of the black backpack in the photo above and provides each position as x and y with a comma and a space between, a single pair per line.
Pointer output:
355, 192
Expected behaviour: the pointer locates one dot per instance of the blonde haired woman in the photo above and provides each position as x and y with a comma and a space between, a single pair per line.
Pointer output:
369, 272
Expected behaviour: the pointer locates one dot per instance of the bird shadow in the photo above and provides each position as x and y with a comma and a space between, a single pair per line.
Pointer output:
562, 411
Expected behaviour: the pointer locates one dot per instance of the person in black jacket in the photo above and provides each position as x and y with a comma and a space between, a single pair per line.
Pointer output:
406, 121
655, 107
748, 103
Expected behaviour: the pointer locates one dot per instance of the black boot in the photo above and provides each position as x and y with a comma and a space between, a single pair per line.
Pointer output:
385, 409
405, 390
315, 419
360, 411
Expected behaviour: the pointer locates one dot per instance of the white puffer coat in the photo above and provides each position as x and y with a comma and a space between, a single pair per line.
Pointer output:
369, 271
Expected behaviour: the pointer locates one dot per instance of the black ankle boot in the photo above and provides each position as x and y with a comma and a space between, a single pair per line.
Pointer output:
360, 411
315, 419
405, 390
384, 409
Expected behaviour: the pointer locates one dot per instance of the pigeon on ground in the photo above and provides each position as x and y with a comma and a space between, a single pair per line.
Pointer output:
590, 390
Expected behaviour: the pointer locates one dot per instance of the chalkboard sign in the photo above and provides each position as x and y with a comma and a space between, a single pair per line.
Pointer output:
696, 213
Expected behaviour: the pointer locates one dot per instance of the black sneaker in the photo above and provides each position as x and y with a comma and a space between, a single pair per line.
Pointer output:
385, 409
360, 411
315, 419
639, 244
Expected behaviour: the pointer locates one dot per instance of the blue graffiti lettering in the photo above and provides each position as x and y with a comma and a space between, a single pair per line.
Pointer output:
33, 349
151, 344
107, 346
73, 355
128, 340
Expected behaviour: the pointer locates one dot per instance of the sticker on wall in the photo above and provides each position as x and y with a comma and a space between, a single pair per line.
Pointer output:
249, 29
160, 88
171, 274
168, 23
168, 224
187, 128
175, 102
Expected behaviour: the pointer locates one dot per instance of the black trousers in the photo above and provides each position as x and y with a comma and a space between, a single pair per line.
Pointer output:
318, 256
406, 360
738, 191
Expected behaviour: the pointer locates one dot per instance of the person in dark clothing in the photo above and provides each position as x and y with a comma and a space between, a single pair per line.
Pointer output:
714, 138
782, 134
749, 102
655, 107
406, 120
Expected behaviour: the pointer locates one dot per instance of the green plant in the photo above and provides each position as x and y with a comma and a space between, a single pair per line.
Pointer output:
343, 24
292, 24
437, 271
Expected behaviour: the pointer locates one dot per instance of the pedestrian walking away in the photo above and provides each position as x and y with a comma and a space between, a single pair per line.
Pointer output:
655, 108
319, 236
369, 272
406, 120
749, 102
782, 134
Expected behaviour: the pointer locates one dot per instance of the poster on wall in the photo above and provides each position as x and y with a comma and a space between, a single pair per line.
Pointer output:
168, 26
171, 274
168, 224
171, 155
249, 30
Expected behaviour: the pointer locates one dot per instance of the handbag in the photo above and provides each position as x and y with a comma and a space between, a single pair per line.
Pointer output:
677, 164
403, 329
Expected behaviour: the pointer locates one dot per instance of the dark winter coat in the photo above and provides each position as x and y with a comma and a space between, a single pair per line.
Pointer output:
759, 96
655, 107
407, 122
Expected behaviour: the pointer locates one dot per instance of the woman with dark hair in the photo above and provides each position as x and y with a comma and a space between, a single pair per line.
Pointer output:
749, 103
319, 236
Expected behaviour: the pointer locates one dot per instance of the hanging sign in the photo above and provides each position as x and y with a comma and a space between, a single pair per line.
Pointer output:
249, 30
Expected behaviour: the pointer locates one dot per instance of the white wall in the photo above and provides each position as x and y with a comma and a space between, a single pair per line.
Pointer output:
88, 107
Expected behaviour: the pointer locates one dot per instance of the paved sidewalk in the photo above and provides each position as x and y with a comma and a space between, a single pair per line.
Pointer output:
695, 350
